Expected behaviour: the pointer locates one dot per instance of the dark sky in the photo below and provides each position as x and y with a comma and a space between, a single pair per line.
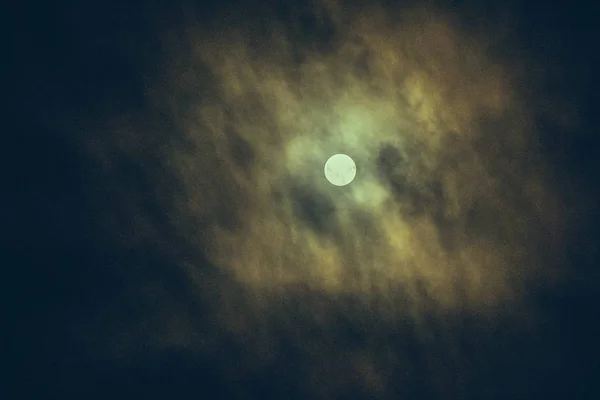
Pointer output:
66, 271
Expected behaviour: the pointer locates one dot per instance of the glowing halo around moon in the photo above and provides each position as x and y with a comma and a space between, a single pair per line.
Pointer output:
340, 169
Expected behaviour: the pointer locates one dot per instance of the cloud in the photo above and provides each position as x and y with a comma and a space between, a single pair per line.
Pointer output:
452, 210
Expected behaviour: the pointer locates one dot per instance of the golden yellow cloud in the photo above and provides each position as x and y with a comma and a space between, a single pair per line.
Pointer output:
413, 83
451, 209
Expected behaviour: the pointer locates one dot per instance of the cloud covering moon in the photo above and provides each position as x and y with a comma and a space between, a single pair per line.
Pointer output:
455, 210
451, 188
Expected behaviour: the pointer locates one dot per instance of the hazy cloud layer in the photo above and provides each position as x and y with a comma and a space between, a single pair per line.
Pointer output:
452, 211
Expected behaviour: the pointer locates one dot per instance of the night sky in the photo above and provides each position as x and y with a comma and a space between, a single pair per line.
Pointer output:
167, 231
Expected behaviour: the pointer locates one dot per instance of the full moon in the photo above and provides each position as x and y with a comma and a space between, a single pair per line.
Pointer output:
340, 169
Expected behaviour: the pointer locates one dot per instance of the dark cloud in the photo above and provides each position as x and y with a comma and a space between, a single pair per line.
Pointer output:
314, 209
241, 150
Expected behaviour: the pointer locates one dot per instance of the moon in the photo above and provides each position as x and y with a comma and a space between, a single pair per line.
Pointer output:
340, 169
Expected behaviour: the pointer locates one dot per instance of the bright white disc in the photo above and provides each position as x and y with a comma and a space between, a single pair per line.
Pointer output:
340, 169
